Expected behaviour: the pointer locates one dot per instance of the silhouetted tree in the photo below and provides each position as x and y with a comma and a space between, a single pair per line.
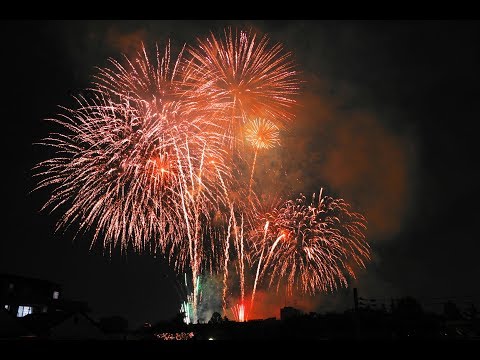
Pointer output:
216, 318
451, 312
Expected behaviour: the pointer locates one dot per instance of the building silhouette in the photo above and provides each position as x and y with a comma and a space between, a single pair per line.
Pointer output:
22, 296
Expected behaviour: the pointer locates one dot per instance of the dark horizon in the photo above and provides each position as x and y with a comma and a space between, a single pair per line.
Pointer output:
387, 122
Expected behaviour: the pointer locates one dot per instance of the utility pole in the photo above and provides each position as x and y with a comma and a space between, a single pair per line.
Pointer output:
356, 314
355, 299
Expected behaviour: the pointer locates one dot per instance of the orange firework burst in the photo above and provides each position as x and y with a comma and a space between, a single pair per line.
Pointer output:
262, 134
152, 80
245, 76
312, 246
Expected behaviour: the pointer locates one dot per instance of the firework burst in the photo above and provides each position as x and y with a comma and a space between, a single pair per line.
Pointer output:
244, 76
262, 134
151, 80
313, 246
109, 173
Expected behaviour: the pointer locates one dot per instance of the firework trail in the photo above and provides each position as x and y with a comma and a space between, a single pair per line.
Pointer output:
194, 247
233, 209
225, 267
193, 205
259, 265
244, 76
239, 312
262, 213
205, 187
312, 246
234, 231
189, 306
185, 296
186, 309
239, 244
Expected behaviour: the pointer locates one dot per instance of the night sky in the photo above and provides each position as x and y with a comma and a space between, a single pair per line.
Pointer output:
387, 120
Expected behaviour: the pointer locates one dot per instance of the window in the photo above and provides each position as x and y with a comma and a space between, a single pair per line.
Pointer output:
56, 294
24, 310
7, 307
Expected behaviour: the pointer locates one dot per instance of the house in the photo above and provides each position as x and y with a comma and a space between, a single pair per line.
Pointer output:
21, 296
33, 307
76, 326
